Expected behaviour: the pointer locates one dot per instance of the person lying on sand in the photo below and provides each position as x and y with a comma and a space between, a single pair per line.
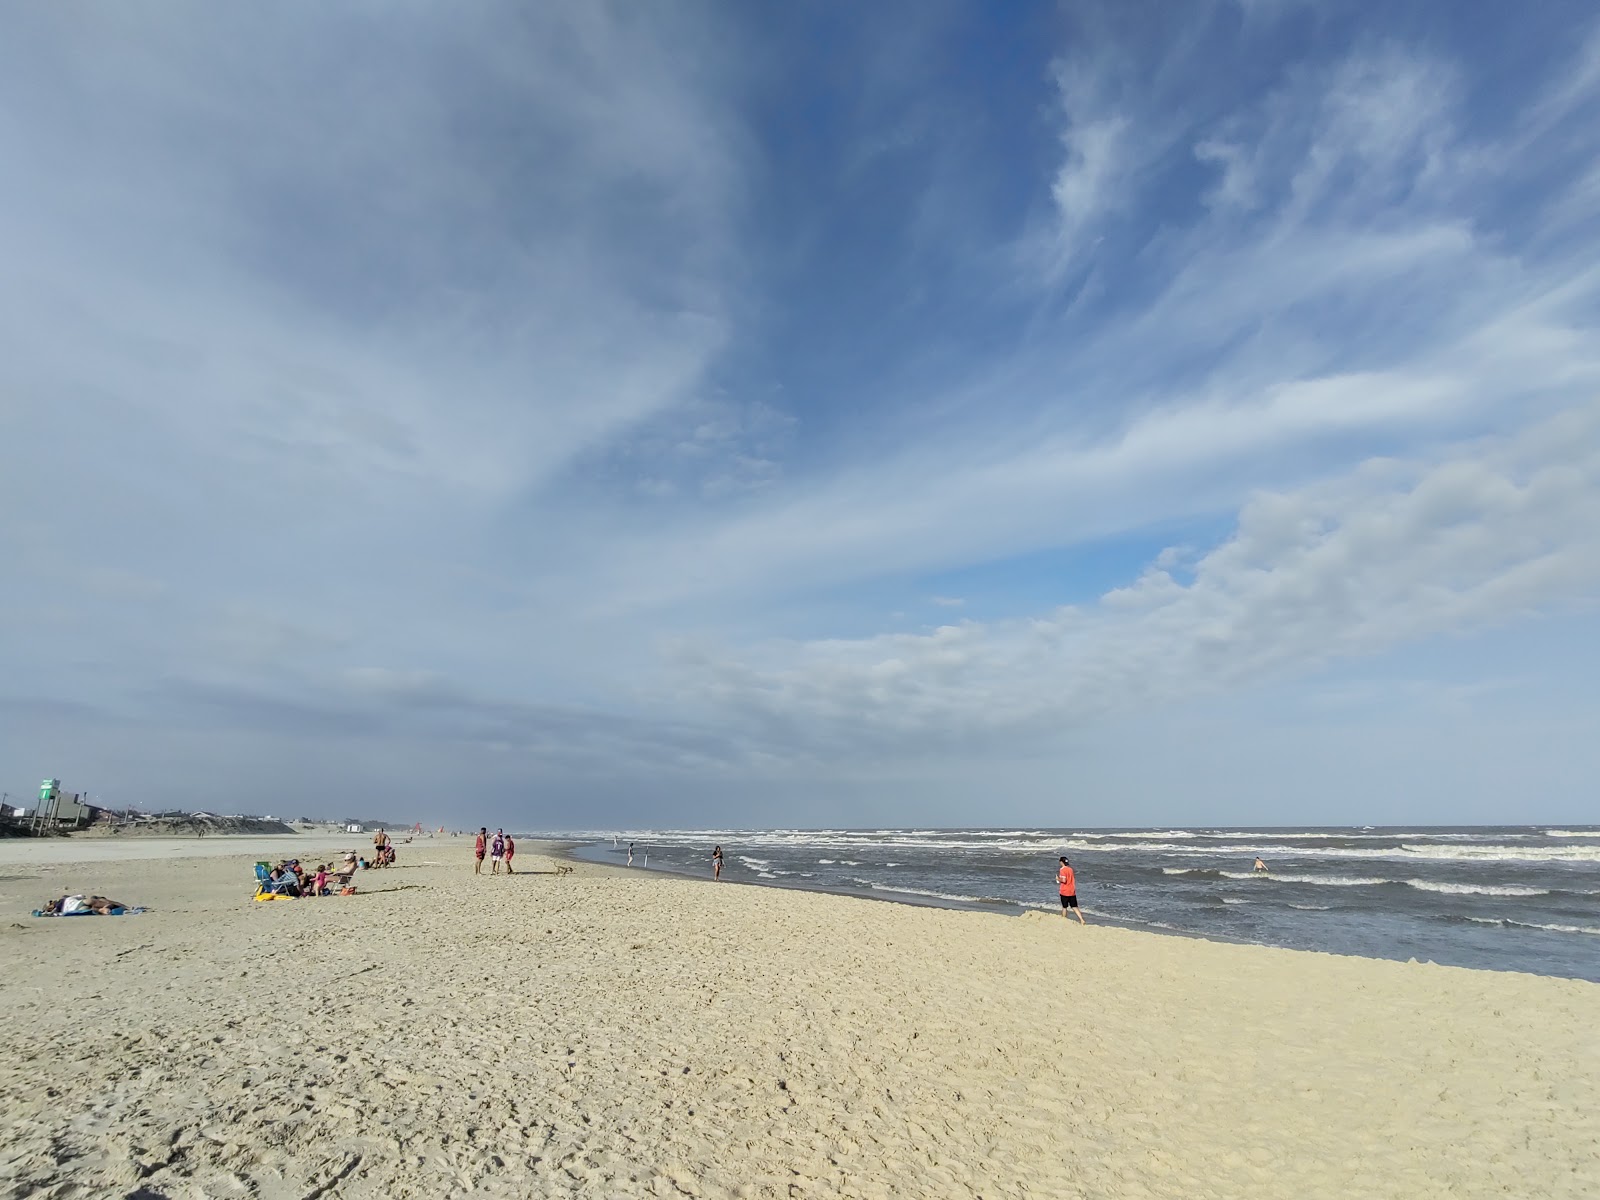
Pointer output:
66, 906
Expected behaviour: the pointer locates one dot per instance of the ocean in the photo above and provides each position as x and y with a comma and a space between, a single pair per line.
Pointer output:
1505, 898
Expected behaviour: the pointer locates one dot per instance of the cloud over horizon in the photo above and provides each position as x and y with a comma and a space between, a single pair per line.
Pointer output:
658, 417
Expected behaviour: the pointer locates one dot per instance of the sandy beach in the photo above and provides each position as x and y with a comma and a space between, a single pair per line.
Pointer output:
611, 1033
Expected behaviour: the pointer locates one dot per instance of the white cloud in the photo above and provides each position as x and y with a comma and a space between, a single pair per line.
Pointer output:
1394, 551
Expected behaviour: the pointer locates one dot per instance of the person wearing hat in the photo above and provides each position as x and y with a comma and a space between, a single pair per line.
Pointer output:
1068, 880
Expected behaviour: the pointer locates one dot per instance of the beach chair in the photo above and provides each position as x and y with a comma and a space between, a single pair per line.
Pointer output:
264, 884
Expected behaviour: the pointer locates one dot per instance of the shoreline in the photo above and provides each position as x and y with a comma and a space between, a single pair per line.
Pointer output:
630, 1033
1014, 910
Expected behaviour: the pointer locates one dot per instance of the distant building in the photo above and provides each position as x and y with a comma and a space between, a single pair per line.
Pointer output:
353, 827
70, 807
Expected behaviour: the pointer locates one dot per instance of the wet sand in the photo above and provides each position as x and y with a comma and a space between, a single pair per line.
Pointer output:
615, 1033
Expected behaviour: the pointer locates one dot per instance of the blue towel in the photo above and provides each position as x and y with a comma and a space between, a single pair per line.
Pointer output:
115, 912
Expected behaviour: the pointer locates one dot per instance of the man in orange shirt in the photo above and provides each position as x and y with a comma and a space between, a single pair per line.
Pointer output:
1069, 890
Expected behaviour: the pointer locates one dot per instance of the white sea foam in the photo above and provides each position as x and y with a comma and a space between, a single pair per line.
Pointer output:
910, 891
1425, 885
1235, 900
1311, 907
1329, 880
1475, 889
1508, 922
1244, 835
1594, 833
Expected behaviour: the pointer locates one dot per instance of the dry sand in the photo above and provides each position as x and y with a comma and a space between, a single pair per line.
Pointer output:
611, 1033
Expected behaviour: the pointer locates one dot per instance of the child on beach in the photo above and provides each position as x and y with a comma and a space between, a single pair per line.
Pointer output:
510, 849
1068, 880
320, 881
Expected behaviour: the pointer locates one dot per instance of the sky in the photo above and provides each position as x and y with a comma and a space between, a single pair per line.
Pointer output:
585, 416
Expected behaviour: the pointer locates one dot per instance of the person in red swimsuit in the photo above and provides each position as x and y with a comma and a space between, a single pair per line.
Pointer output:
478, 848
1068, 880
511, 848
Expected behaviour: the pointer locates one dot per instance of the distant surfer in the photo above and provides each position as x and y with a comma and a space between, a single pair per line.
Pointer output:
1068, 880
1261, 867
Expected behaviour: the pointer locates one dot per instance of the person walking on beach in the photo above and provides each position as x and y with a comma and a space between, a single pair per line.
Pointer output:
497, 849
511, 848
1068, 880
716, 863
478, 847
630, 854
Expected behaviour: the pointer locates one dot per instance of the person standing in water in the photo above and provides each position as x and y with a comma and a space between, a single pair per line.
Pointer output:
716, 863
1068, 880
478, 847
1260, 866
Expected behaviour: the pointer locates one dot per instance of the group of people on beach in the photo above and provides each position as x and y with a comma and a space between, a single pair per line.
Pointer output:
501, 849
291, 879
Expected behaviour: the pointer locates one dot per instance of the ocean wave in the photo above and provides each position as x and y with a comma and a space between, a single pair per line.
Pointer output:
1424, 885
1594, 833
1243, 835
1456, 853
1508, 922
1327, 880
1474, 889
1311, 907
1236, 900
911, 891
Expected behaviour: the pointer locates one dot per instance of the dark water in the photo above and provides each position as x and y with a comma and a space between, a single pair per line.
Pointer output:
1510, 898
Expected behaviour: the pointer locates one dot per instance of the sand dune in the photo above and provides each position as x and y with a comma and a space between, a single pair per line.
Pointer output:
618, 1034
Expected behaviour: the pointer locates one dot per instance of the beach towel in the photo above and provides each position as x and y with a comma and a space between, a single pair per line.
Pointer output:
115, 912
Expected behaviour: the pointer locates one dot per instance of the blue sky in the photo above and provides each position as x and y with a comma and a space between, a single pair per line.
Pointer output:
702, 414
